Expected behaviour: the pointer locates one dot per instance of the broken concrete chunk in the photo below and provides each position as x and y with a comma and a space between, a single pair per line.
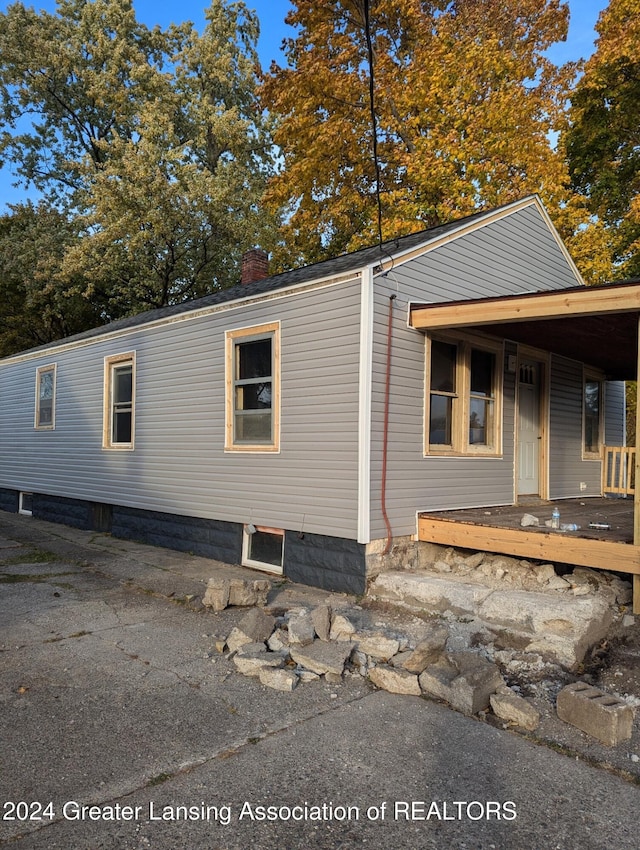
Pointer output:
544, 573
245, 593
427, 651
308, 676
254, 627
321, 657
558, 583
301, 630
529, 520
321, 618
217, 594
278, 640
342, 629
278, 678
514, 709
463, 679
395, 681
378, 646
253, 657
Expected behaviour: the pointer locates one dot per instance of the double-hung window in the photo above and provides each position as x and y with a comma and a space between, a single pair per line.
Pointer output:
253, 388
592, 417
45, 398
119, 401
464, 396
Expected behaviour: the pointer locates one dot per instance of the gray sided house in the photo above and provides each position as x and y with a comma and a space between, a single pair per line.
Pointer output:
301, 422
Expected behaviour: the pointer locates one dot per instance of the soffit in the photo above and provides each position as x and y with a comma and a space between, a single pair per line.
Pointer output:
594, 325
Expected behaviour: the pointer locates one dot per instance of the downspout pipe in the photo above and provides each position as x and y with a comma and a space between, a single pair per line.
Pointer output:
385, 431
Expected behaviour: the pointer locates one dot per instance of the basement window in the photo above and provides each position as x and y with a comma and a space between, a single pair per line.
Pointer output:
263, 548
25, 504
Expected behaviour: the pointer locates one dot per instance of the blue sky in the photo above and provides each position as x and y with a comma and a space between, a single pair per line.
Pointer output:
579, 45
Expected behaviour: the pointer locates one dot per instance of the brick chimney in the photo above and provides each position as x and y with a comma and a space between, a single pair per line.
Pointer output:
255, 266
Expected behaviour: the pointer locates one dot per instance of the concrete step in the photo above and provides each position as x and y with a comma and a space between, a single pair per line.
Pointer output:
556, 626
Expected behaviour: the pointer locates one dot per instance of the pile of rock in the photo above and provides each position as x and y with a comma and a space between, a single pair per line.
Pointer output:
283, 648
502, 572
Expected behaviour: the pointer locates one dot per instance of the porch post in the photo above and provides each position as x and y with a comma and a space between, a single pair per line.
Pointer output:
636, 496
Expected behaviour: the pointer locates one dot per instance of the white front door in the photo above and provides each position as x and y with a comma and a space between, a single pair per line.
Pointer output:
529, 435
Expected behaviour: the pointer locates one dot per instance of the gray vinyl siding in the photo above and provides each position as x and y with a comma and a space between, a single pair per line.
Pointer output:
566, 465
179, 465
513, 255
615, 413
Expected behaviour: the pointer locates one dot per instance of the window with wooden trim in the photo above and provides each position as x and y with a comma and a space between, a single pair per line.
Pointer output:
253, 388
592, 415
45, 398
464, 396
119, 401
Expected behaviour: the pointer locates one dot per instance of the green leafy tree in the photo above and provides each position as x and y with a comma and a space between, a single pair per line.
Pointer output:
603, 142
36, 308
149, 140
466, 104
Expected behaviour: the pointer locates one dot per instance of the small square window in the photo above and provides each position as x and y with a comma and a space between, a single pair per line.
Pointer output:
263, 548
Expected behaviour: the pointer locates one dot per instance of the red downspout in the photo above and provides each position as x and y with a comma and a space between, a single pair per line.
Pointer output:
385, 432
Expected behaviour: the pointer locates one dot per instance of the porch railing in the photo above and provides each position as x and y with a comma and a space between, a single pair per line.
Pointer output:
618, 470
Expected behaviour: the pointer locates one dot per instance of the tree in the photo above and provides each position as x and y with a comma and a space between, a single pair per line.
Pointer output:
35, 308
466, 104
603, 142
149, 140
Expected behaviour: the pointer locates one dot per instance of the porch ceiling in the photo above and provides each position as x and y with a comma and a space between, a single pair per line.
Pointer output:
595, 325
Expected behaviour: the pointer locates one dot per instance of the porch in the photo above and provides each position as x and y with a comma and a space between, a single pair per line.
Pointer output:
499, 529
598, 326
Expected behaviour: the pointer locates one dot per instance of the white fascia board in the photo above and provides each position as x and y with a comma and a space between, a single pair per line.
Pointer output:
364, 406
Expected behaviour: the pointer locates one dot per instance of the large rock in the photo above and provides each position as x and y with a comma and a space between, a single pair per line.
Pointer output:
427, 651
515, 709
321, 618
254, 627
465, 680
321, 657
217, 594
278, 679
301, 629
342, 629
245, 593
253, 657
395, 681
377, 645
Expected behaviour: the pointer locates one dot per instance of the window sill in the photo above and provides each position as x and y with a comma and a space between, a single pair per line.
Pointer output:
453, 453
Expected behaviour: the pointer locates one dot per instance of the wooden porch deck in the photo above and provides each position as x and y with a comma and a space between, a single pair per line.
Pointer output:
498, 530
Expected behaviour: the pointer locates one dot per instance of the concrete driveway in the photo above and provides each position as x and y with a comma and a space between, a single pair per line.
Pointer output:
122, 727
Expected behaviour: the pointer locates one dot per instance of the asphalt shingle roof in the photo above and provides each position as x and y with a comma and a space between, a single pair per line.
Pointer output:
306, 274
